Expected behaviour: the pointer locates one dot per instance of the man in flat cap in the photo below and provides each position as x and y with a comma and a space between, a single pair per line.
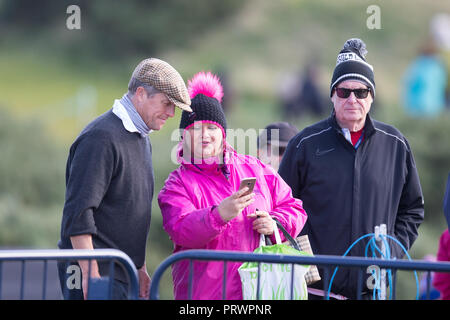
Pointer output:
353, 173
109, 177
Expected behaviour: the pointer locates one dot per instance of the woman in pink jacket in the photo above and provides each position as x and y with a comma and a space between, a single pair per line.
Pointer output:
200, 202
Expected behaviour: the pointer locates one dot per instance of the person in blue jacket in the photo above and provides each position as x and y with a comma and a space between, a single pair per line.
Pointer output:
424, 84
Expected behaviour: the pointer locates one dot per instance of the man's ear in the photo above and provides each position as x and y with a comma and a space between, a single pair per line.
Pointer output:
140, 93
333, 97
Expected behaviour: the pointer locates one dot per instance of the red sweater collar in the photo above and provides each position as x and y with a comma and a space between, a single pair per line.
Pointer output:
356, 135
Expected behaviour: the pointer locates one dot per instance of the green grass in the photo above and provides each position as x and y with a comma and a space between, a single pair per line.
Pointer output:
28, 226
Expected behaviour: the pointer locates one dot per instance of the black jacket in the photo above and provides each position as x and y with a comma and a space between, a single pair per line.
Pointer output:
346, 192
109, 190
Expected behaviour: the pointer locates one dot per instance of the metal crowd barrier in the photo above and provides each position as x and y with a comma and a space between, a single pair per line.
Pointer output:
328, 263
67, 256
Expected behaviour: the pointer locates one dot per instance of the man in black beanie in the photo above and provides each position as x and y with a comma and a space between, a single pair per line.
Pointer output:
353, 173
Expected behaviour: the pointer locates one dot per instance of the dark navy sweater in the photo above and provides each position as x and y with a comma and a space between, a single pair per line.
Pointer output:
109, 189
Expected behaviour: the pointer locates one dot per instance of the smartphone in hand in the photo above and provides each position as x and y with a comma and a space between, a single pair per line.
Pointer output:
248, 182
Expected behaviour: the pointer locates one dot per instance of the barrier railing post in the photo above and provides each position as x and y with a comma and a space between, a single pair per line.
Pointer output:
44, 280
326, 281
89, 279
258, 281
190, 279
428, 285
359, 284
111, 280
22, 281
394, 283
224, 281
292, 281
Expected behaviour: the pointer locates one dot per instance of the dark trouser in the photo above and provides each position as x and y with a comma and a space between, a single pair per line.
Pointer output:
364, 296
71, 287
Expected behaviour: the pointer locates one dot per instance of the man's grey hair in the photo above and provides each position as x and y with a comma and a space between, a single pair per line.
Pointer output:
135, 83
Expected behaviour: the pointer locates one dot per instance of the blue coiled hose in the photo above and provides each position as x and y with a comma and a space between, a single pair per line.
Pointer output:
375, 249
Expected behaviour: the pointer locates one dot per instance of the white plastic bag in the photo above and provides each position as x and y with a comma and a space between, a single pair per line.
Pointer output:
275, 279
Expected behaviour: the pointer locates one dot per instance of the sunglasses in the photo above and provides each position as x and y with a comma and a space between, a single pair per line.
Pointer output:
344, 93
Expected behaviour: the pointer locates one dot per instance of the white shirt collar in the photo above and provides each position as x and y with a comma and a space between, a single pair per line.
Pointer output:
347, 135
119, 110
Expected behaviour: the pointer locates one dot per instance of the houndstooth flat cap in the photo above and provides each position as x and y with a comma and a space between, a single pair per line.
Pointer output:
163, 77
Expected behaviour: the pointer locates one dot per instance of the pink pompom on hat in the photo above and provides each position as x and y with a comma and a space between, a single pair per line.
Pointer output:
205, 83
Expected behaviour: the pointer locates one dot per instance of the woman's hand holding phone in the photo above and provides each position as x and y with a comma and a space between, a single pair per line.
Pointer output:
230, 207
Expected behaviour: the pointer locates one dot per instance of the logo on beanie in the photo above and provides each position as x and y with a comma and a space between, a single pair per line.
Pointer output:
351, 56
345, 56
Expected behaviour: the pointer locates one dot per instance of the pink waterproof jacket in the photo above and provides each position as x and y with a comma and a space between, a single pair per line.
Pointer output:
188, 203
441, 280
